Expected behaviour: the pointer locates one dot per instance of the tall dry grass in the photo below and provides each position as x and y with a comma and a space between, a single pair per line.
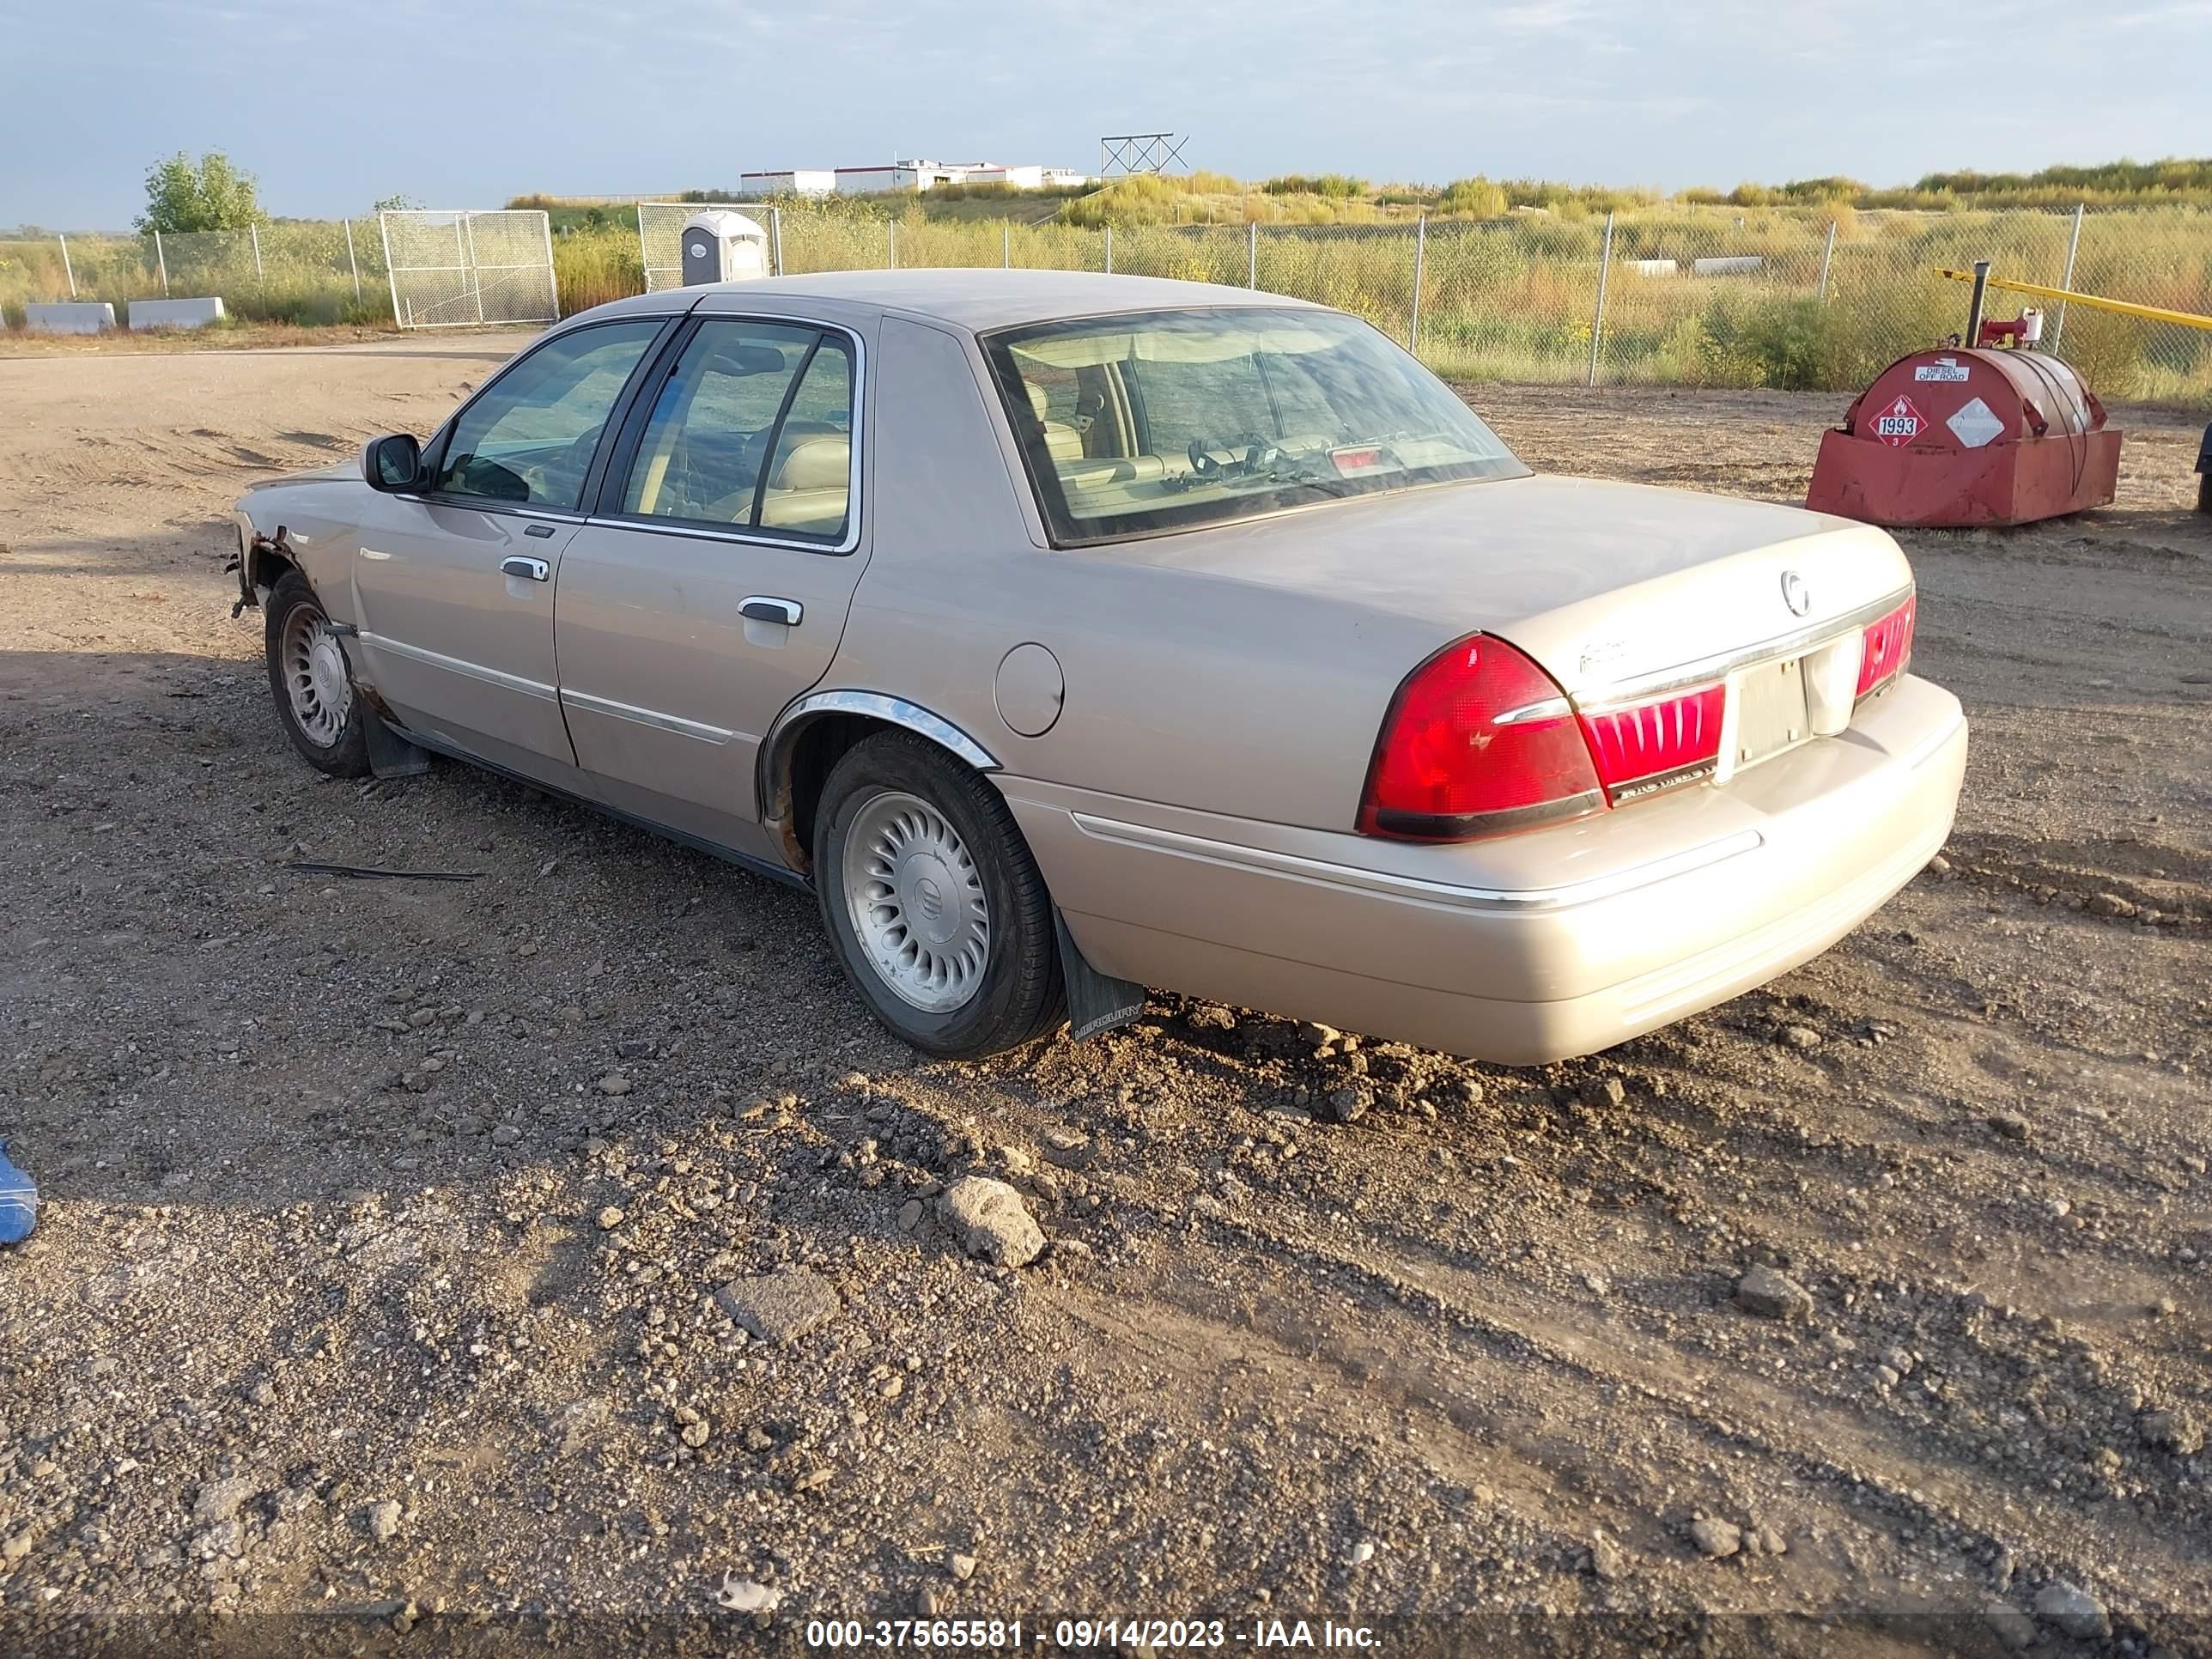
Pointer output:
1509, 296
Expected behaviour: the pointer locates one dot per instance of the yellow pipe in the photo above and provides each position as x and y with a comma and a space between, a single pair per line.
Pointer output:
2125, 307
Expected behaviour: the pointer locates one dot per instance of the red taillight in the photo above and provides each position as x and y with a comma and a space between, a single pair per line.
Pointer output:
1478, 741
1887, 647
1649, 745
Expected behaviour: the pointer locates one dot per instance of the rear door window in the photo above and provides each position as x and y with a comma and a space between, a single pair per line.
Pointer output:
753, 430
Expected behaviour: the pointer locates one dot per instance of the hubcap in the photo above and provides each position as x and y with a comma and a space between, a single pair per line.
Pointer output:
916, 901
315, 676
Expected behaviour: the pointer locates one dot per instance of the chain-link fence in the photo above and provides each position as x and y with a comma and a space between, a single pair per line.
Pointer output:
1808, 298
298, 271
1696, 296
660, 242
446, 268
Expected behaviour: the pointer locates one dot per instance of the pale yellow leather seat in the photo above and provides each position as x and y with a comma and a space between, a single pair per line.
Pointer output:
1061, 441
811, 488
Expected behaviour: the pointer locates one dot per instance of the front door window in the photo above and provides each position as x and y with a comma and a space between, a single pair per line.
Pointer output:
530, 438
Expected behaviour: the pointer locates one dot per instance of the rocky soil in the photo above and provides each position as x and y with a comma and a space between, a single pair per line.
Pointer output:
561, 1257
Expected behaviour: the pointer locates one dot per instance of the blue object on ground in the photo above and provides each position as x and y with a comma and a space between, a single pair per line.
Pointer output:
19, 1203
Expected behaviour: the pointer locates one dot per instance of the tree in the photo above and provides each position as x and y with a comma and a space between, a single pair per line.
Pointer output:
395, 204
210, 194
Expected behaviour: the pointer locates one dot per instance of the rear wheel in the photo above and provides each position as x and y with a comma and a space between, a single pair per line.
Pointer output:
311, 683
935, 906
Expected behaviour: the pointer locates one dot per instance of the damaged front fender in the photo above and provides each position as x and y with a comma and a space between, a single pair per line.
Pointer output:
258, 562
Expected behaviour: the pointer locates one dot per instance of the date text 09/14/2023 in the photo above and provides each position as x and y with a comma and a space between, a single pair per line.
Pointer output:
1011, 1635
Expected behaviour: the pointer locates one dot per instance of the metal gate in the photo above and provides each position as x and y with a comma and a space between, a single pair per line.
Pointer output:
464, 268
660, 242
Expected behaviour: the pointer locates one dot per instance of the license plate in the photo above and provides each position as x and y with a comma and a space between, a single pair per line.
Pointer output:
1766, 714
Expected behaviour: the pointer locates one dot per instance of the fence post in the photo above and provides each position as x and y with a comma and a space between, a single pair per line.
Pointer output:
352, 263
2073, 247
776, 241
1110, 250
162, 260
1252, 254
1827, 253
384, 229
645, 259
254, 231
552, 277
67, 271
1597, 322
890, 246
1006, 246
1420, 260
468, 241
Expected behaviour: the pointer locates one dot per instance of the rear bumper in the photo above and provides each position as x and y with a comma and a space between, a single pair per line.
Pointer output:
1534, 948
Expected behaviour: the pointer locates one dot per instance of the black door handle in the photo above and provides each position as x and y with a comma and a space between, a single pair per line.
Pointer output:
535, 570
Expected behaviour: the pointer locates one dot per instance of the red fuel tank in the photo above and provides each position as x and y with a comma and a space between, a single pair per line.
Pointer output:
1965, 437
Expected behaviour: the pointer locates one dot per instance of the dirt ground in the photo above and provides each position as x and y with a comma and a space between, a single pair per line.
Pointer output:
373, 1290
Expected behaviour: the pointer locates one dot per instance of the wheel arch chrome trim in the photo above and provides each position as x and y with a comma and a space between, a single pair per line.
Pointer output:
773, 781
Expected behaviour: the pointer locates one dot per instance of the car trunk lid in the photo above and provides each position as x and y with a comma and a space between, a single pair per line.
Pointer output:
1608, 586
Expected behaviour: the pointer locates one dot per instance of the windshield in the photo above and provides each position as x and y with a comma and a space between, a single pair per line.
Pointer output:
1134, 425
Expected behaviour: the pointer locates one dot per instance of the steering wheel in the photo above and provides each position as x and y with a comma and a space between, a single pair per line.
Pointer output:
574, 460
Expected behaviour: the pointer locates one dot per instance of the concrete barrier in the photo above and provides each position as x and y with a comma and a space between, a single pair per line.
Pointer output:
68, 317
176, 314
1733, 265
1653, 267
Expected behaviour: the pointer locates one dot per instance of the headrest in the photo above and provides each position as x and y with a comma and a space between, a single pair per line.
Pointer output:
1040, 401
815, 464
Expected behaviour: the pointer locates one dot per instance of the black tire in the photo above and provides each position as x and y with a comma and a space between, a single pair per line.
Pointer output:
347, 755
1019, 996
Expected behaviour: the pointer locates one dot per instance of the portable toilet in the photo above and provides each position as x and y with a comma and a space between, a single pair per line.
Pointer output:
721, 246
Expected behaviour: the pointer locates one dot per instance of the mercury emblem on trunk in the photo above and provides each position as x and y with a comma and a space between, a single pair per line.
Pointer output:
1796, 594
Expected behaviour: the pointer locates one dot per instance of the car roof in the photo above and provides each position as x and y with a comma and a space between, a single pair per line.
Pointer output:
973, 298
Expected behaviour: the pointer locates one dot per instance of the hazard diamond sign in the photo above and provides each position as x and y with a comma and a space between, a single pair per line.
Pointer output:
1898, 423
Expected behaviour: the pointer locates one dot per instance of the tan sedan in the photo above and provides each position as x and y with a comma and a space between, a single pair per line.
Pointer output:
1074, 633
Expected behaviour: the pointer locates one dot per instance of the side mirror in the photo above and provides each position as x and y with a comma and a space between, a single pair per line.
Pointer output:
393, 461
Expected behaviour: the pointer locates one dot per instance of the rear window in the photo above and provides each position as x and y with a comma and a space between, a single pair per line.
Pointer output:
1140, 424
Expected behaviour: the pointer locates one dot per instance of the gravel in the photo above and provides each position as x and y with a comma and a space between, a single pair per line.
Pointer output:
1490, 1322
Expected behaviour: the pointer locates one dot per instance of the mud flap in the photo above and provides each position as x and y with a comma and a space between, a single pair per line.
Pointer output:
390, 755
1096, 1002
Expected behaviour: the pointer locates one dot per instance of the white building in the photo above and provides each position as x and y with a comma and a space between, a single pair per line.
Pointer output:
914, 175
796, 181
918, 174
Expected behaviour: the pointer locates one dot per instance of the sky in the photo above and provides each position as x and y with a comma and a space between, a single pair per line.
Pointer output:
463, 103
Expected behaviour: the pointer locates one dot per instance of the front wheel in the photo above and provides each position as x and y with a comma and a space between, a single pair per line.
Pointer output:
931, 897
312, 684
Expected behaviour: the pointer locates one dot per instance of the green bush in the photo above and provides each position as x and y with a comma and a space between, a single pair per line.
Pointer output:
1475, 199
1340, 185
